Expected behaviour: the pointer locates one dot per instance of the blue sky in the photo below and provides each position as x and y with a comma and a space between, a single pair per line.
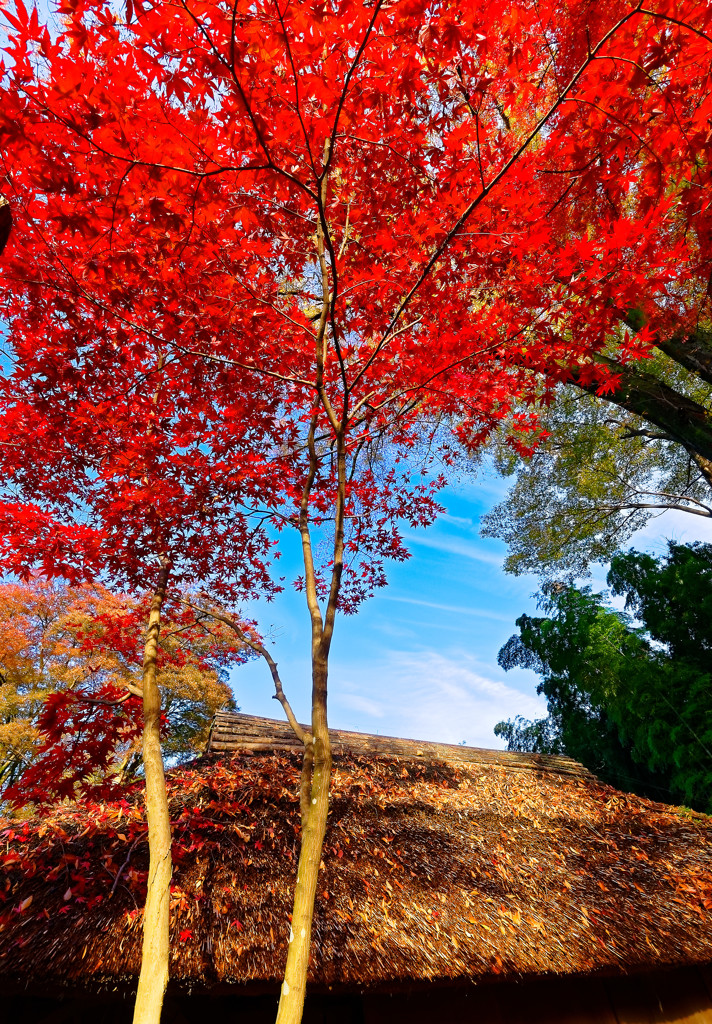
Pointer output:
420, 659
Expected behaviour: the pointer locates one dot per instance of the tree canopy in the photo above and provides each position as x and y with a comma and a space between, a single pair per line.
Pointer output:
64, 650
597, 474
628, 697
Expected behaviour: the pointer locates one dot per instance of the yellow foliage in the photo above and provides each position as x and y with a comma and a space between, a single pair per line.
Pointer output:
44, 628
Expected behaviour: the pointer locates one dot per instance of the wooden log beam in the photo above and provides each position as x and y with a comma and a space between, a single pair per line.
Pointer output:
234, 732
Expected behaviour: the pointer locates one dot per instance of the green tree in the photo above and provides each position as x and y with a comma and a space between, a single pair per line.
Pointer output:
633, 702
602, 466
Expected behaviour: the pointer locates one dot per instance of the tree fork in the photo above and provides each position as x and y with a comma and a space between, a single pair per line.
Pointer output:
153, 978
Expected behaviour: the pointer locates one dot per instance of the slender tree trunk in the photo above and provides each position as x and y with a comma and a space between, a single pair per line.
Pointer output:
156, 948
314, 817
313, 796
315, 812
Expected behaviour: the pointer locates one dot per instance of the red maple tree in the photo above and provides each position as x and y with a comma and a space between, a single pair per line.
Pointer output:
263, 252
70, 708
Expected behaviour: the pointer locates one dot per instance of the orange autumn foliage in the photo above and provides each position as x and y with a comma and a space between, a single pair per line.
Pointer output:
55, 638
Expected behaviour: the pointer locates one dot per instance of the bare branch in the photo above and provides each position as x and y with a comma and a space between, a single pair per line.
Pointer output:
302, 735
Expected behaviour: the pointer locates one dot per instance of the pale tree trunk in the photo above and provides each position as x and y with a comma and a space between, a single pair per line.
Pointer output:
314, 817
314, 803
316, 772
156, 921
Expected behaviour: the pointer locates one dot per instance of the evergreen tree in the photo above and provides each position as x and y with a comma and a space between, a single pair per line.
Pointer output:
628, 697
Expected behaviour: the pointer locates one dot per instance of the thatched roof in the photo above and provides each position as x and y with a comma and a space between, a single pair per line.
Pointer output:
454, 868
231, 732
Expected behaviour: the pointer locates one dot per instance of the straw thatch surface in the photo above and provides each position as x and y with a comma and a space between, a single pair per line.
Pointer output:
433, 869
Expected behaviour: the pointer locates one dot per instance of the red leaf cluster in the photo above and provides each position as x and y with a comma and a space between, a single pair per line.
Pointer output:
81, 732
495, 185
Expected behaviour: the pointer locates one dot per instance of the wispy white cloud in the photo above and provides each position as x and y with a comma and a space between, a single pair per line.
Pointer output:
364, 704
465, 523
428, 695
453, 546
447, 699
481, 613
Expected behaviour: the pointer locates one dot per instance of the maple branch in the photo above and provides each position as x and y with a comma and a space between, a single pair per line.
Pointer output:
558, 202
232, 36
329, 149
338, 549
303, 526
125, 864
616, 58
494, 345
344, 240
328, 298
302, 735
618, 120
230, 65
193, 207
297, 103
190, 171
464, 90
175, 632
420, 171
356, 455
479, 154
498, 177
231, 68
347, 82
276, 309
91, 298
476, 115
419, 387
570, 170
287, 209
123, 178
244, 366
675, 21
406, 327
